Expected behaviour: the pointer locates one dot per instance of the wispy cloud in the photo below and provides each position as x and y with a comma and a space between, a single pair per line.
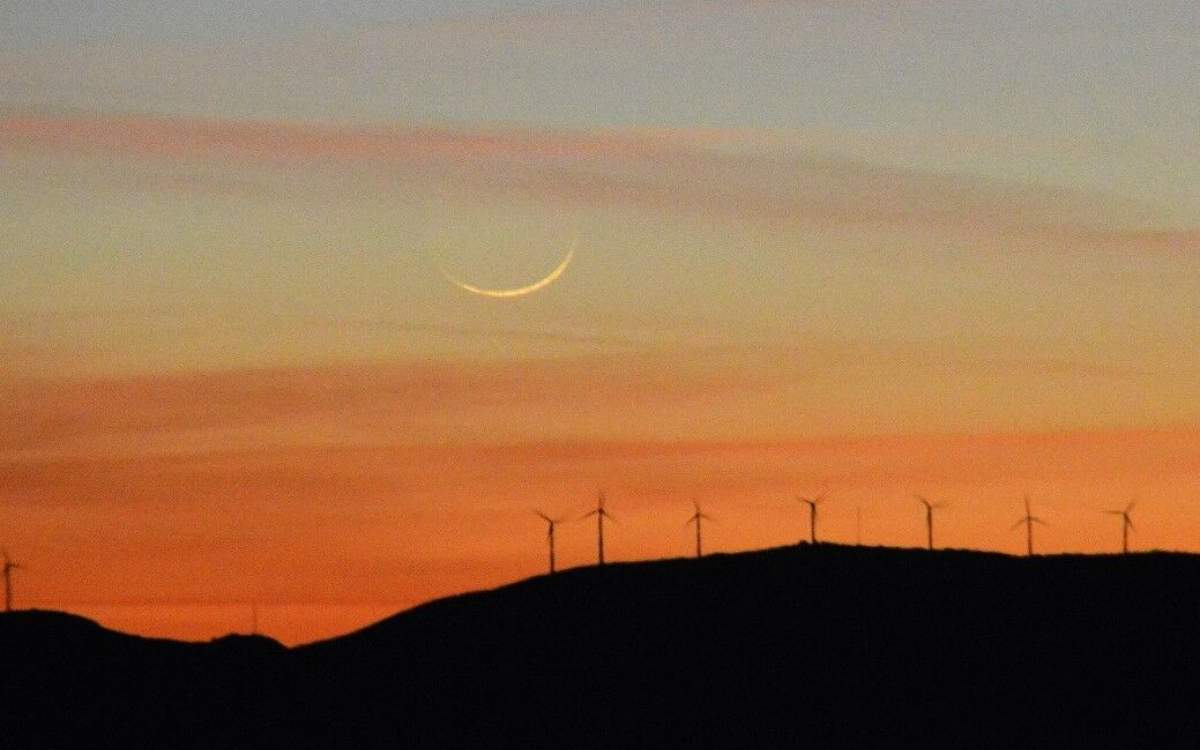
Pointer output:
426, 400
685, 172
737, 390
491, 333
1162, 241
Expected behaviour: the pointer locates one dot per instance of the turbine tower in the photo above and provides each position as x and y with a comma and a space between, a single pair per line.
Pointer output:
551, 523
1126, 525
600, 513
929, 509
812, 504
696, 518
1028, 520
9, 567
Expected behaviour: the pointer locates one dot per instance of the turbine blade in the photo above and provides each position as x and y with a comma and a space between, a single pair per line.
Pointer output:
1038, 520
1017, 525
1132, 504
1129, 523
544, 517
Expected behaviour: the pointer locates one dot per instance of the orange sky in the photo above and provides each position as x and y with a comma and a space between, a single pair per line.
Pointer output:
167, 505
233, 373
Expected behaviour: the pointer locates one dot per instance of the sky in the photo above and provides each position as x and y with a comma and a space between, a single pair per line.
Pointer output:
857, 248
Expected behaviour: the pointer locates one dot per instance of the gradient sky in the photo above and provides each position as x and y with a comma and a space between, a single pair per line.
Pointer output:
863, 248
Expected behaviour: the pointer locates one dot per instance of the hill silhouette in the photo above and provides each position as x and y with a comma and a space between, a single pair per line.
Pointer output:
823, 645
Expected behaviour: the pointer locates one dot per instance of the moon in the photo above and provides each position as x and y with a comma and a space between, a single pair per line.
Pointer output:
521, 291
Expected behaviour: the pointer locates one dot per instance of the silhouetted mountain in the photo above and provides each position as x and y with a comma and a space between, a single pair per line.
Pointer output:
822, 645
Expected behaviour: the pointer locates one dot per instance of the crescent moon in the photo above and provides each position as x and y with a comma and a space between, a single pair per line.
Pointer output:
542, 283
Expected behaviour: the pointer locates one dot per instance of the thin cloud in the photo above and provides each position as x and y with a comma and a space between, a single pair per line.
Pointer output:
1157, 241
510, 334
1071, 369
367, 471
736, 389
374, 398
663, 170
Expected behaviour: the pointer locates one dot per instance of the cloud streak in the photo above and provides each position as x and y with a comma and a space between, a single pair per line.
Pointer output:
741, 391
422, 399
679, 172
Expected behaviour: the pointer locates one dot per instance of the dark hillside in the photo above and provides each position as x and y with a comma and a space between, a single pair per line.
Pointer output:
829, 645
70, 683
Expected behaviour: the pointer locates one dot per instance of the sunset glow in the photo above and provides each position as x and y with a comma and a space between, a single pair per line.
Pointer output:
840, 260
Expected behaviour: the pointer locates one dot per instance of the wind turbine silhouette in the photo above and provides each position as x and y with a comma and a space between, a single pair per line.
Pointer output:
1028, 520
1126, 525
551, 523
812, 504
600, 513
696, 518
929, 509
9, 567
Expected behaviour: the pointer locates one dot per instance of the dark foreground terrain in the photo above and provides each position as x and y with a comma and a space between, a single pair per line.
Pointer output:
821, 646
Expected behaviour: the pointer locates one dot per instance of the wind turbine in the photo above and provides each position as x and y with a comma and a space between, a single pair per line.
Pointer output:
9, 567
1028, 520
1126, 525
551, 523
696, 518
600, 513
929, 509
812, 504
